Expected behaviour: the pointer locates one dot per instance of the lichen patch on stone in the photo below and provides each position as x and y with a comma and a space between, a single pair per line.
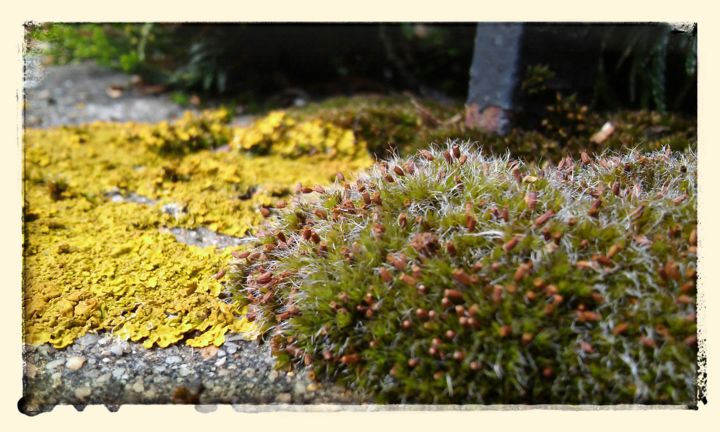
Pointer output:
94, 263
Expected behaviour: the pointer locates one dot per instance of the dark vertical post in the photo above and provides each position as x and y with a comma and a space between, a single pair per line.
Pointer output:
494, 76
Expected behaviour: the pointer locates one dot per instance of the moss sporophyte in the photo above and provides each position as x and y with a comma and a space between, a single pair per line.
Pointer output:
92, 263
454, 276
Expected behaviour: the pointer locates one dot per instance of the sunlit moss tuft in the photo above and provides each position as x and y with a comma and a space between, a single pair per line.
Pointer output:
457, 277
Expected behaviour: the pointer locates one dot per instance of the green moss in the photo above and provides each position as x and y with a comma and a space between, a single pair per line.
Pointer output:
475, 279
400, 125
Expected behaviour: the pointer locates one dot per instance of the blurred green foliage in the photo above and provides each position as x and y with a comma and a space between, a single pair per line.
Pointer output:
646, 66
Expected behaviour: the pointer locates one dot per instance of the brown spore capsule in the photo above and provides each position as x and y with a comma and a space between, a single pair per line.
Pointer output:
470, 222
460, 276
672, 270
398, 260
510, 244
427, 155
264, 278
349, 359
603, 260
585, 158
456, 151
620, 328
454, 295
402, 220
540, 221
531, 200
595, 208
504, 331
406, 278
385, 275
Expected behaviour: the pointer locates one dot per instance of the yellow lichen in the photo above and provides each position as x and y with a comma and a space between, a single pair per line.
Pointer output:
93, 264
190, 133
280, 134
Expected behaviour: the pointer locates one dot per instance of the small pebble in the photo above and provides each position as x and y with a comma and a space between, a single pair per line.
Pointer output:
283, 398
221, 353
88, 339
117, 350
299, 389
103, 378
173, 359
249, 373
184, 371
75, 363
30, 370
205, 408
117, 373
56, 379
221, 361
83, 392
272, 376
312, 387
230, 348
138, 386
55, 363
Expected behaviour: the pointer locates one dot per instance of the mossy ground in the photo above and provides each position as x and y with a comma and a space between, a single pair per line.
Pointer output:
91, 264
402, 125
458, 277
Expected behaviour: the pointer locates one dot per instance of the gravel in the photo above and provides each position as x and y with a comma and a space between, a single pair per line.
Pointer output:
74, 94
178, 374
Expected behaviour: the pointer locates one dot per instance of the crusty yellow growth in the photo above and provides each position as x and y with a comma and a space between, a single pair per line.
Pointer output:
93, 264
190, 133
281, 134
